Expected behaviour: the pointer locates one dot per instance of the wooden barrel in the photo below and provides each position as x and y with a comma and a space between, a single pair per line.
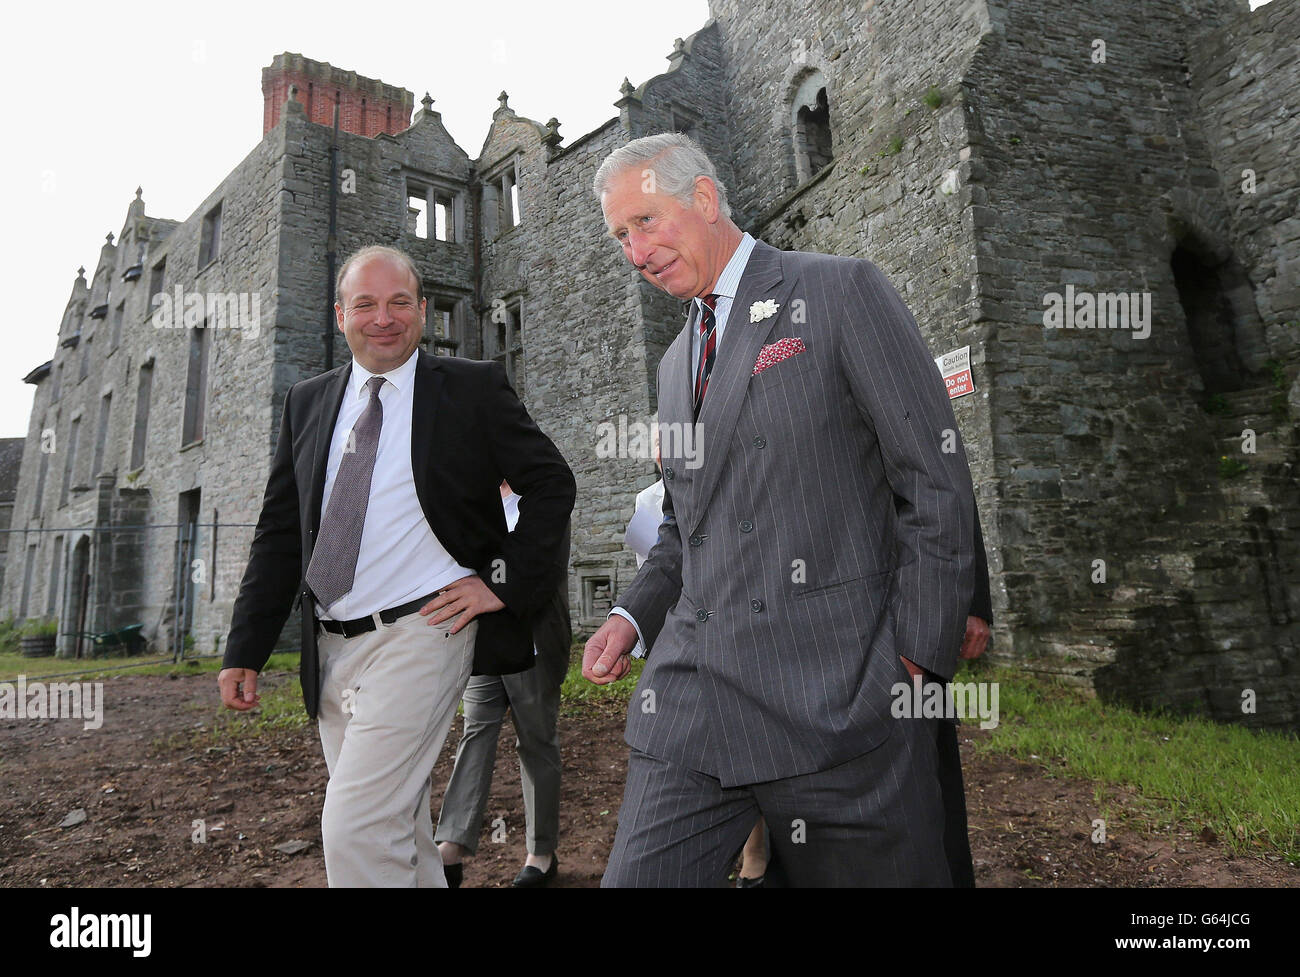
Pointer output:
36, 646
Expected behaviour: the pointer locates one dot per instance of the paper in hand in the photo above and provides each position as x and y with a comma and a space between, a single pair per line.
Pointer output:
643, 530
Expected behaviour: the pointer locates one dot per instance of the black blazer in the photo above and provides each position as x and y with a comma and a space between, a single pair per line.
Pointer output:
468, 432
552, 625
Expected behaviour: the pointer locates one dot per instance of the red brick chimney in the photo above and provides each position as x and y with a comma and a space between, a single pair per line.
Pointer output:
367, 106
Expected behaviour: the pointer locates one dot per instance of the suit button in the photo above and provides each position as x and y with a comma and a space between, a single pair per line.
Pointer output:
756, 604
746, 526
668, 472
701, 615
760, 442
697, 540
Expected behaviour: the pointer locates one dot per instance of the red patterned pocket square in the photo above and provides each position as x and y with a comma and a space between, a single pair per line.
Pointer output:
774, 353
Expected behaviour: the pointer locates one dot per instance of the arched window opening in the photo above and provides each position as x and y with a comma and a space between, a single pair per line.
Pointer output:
810, 118
814, 130
1211, 324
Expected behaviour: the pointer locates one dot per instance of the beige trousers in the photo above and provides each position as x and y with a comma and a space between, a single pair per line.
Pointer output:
387, 701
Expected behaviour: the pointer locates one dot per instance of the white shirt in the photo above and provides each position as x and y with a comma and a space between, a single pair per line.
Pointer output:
725, 290
511, 506
400, 559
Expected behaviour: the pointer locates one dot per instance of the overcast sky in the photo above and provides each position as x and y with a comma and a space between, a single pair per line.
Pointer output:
168, 97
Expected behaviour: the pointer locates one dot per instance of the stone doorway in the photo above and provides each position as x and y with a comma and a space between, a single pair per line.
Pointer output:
76, 603
1224, 330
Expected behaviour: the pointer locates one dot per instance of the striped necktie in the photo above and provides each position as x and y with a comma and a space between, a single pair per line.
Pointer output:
708, 332
333, 566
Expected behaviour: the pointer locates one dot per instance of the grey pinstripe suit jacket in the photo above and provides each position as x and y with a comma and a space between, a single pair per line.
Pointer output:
773, 604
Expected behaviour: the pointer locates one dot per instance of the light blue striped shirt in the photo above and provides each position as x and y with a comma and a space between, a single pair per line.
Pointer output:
725, 290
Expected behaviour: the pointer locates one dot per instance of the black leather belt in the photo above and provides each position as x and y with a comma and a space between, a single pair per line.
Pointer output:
362, 625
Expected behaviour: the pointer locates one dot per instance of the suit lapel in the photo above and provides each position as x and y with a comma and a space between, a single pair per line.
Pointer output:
675, 398
428, 387
330, 404
741, 342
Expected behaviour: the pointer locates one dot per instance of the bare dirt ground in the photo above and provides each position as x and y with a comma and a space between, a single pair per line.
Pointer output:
147, 775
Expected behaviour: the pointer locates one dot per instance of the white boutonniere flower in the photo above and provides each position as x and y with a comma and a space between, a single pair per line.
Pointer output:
762, 310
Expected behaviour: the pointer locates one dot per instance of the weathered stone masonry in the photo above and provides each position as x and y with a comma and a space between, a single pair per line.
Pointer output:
985, 155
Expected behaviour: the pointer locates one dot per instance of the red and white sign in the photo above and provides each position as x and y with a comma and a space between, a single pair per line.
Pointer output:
954, 367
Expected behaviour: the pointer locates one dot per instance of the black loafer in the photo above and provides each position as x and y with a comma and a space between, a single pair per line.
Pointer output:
744, 883
534, 878
454, 874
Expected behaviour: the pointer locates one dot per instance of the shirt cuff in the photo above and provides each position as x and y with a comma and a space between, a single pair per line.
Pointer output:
639, 650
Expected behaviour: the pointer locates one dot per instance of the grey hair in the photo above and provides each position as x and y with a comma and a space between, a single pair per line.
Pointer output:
678, 163
376, 251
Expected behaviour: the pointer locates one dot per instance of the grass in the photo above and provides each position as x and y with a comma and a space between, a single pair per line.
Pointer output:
9, 633
1278, 374
278, 708
577, 693
1231, 467
1190, 773
1218, 405
893, 149
73, 669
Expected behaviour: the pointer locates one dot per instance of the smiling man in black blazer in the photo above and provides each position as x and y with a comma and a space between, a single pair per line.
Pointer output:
382, 518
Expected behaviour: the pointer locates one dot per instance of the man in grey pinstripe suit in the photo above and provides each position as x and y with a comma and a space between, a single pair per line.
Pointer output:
818, 551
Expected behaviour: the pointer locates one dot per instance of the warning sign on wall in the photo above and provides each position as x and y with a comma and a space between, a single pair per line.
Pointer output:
955, 369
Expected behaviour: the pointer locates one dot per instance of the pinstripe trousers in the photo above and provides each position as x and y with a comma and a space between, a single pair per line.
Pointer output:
874, 820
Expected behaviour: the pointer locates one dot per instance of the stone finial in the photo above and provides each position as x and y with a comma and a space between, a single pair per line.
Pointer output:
81, 274
503, 99
551, 137
679, 46
629, 106
108, 238
427, 102
139, 192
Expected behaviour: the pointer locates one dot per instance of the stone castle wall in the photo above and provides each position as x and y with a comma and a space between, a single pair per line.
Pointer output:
983, 155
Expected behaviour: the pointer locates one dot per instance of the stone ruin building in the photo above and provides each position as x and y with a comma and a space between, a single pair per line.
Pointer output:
1014, 167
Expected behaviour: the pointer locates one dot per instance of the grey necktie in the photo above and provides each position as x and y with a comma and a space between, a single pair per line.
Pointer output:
334, 559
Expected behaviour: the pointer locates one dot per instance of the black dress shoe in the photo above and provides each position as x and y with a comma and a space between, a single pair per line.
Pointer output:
744, 883
454, 874
532, 877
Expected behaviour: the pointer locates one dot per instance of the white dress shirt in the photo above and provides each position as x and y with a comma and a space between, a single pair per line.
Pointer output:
725, 290
400, 559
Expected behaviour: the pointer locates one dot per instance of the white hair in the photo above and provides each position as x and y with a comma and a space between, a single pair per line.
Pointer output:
678, 163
